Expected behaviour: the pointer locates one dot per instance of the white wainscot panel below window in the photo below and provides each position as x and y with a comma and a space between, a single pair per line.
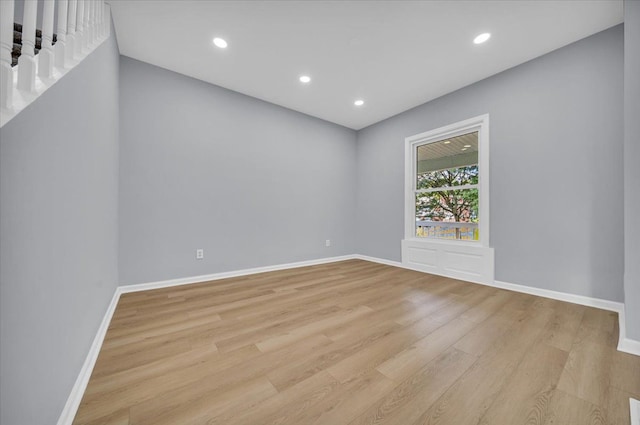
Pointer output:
464, 261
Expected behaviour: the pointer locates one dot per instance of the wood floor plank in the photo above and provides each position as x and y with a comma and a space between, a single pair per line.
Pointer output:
211, 385
121, 417
464, 402
407, 401
102, 401
598, 327
565, 409
304, 331
105, 383
199, 409
327, 356
268, 336
483, 336
355, 398
356, 342
561, 330
383, 314
286, 405
525, 397
587, 372
617, 408
413, 358
625, 373
382, 350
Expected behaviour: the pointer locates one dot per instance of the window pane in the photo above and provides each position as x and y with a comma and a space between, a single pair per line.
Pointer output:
449, 162
447, 214
448, 178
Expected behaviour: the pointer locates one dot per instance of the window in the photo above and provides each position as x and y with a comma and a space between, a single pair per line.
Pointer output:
447, 183
447, 188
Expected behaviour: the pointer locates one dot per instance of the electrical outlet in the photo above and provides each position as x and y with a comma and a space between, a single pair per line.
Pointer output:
199, 254
327, 242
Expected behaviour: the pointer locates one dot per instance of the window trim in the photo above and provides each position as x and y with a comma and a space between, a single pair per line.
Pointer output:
479, 124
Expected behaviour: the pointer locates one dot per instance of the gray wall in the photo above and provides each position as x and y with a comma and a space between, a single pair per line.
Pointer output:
556, 177
251, 183
631, 169
58, 227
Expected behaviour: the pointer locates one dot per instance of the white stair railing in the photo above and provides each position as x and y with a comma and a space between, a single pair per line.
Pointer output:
82, 26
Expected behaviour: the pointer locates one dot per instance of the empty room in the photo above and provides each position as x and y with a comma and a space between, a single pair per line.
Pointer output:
319, 212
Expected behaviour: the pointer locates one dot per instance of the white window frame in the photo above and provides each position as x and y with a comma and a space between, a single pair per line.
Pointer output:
466, 260
479, 124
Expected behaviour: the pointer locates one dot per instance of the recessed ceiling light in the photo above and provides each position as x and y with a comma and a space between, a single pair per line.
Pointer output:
446, 142
482, 38
305, 79
359, 102
220, 42
464, 149
467, 146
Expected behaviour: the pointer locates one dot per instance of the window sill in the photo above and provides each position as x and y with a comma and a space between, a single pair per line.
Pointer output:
447, 241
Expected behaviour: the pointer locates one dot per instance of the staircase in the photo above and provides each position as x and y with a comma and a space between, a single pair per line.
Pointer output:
32, 60
17, 42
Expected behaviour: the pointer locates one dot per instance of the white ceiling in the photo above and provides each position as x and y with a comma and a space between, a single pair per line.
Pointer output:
393, 54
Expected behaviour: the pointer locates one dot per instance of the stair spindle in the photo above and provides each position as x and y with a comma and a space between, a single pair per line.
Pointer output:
46, 57
70, 48
102, 18
89, 23
27, 60
87, 34
98, 19
96, 32
107, 29
61, 43
80, 29
6, 45
98, 37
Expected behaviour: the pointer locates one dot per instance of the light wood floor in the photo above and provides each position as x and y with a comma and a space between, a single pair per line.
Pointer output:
357, 343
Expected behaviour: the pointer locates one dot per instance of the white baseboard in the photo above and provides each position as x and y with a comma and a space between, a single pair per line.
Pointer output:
226, 275
73, 402
625, 344
630, 346
561, 296
382, 261
635, 411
